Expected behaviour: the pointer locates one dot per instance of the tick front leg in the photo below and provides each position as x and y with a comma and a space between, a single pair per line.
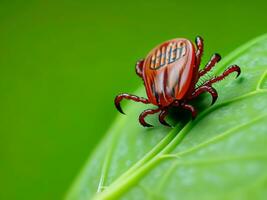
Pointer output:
214, 59
205, 88
233, 68
162, 116
190, 108
139, 67
129, 97
144, 114
199, 52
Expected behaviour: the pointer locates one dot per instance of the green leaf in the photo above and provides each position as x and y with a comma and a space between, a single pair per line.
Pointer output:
219, 155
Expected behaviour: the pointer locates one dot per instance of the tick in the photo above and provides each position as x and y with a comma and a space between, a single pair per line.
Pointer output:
170, 73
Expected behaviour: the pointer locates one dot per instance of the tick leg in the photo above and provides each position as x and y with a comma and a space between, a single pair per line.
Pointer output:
205, 88
199, 52
214, 59
190, 108
144, 114
162, 116
139, 67
233, 68
130, 97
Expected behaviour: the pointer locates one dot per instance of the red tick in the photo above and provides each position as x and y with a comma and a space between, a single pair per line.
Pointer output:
170, 73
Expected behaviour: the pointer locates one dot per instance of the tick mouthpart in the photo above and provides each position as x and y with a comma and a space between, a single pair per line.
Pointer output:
176, 103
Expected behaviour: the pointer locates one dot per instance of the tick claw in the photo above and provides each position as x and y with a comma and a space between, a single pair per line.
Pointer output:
238, 73
118, 106
165, 123
144, 114
147, 125
143, 123
214, 99
235, 68
162, 116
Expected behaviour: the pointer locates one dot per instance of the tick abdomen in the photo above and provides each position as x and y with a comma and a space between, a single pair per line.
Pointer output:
168, 70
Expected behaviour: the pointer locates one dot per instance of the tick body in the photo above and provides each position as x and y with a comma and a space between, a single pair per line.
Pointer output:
170, 73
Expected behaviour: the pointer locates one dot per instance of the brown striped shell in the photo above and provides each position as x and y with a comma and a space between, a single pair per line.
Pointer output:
168, 71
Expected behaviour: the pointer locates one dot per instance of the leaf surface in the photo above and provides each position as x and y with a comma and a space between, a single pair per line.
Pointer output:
219, 155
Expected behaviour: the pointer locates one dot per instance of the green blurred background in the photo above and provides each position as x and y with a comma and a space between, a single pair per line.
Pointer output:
62, 63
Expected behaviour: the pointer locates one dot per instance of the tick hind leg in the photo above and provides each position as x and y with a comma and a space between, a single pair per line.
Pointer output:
144, 114
120, 97
231, 69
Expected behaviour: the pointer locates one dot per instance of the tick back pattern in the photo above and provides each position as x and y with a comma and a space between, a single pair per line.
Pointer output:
167, 54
